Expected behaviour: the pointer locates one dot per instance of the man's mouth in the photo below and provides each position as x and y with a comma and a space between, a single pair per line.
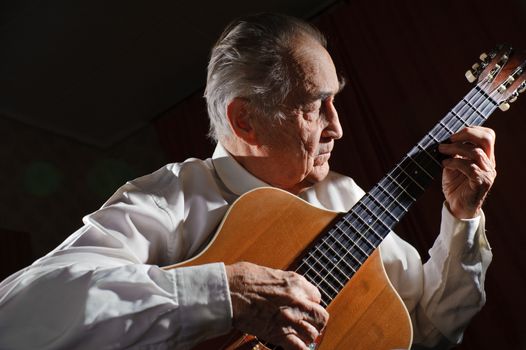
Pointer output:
323, 157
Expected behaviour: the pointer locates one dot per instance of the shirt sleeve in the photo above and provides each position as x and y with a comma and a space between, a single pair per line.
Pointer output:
443, 294
102, 287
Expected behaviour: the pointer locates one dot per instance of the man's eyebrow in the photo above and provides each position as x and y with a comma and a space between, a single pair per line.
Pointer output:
322, 95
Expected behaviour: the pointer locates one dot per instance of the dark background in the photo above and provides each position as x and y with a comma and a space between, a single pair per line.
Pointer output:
404, 62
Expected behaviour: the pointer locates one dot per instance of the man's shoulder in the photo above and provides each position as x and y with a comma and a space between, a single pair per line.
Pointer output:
173, 172
168, 180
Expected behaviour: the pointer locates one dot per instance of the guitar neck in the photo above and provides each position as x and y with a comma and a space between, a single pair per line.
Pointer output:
342, 250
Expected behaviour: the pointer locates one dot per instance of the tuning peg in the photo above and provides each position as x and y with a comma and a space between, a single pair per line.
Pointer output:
522, 88
470, 76
513, 97
504, 106
483, 56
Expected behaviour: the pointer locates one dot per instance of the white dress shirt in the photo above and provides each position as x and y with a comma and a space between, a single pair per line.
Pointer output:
102, 288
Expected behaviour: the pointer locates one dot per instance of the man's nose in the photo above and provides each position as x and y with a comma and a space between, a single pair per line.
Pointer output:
334, 128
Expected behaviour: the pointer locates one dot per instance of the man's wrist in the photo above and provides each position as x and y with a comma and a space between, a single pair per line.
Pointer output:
463, 213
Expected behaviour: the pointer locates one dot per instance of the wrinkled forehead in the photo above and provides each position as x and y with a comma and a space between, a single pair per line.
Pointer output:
313, 71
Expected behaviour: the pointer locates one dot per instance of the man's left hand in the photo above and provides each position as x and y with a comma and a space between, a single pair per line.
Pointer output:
469, 174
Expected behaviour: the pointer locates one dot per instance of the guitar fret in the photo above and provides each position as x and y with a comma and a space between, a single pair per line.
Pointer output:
487, 98
318, 284
349, 258
313, 263
467, 121
325, 278
335, 266
405, 209
336, 255
403, 189
482, 108
364, 238
488, 109
474, 109
430, 156
346, 250
340, 265
329, 264
356, 252
385, 210
386, 221
459, 118
486, 106
357, 232
330, 284
367, 209
317, 266
354, 242
421, 167
451, 132
433, 137
372, 246
410, 177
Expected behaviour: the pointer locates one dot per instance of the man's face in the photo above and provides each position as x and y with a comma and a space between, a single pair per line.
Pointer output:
297, 150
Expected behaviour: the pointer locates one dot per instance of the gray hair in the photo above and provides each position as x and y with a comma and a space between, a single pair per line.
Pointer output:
252, 60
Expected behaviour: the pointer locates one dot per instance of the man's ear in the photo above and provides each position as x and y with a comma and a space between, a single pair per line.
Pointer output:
239, 118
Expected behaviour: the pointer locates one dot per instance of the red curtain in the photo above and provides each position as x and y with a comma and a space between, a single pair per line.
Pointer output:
404, 62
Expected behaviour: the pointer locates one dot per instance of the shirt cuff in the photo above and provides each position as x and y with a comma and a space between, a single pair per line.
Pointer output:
204, 297
462, 235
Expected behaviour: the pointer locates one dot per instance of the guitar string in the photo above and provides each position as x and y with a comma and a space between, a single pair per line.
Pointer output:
473, 107
451, 115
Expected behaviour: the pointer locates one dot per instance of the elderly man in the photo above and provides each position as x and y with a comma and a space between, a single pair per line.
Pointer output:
270, 92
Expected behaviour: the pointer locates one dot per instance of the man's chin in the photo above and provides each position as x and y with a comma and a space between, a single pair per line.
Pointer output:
318, 173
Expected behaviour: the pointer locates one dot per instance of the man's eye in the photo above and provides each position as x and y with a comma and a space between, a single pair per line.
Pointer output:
327, 103
324, 104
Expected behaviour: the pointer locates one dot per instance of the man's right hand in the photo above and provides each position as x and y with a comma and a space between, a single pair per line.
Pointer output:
280, 307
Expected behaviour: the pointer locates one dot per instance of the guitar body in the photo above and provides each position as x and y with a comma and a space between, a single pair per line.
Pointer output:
271, 227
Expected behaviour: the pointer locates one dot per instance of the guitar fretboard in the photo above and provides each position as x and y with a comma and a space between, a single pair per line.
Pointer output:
341, 251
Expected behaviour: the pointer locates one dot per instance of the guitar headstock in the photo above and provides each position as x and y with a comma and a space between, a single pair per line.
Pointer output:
501, 74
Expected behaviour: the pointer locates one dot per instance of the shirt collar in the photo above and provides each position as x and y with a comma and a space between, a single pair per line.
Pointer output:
234, 176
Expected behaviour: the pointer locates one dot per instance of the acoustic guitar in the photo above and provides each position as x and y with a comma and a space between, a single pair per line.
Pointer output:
337, 251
